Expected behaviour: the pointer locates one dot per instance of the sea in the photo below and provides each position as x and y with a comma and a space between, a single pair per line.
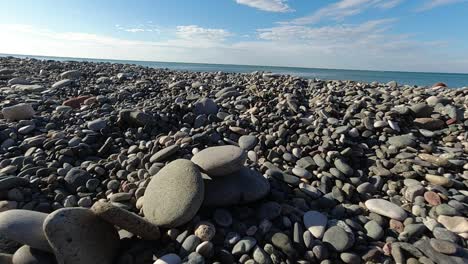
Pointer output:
453, 80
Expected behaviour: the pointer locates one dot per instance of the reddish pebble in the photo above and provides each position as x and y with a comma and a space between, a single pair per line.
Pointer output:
439, 84
387, 249
90, 101
75, 102
432, 198
396, 225
451, 121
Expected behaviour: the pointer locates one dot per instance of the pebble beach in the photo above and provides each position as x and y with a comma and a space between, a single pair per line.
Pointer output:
117, 163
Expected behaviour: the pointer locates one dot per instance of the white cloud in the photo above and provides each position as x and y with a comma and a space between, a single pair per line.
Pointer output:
279, 6
139, 28
342, 9
196, 32
430, 4
355, 46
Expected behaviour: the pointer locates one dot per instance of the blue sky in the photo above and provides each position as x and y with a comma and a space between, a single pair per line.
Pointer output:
407, 35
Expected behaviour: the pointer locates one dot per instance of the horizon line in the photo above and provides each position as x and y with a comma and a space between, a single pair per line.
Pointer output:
226, 64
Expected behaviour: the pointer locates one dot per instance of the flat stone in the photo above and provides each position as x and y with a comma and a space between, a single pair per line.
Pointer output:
343, 167
337, 238
28, 255
244, 246
429, 123
386, 208
443, 246
25, 227
30, 88
62, 83
439, 180
315, 222
456, 224
402, 141
242, 187
174, 194
169, 259
247, 142
432, 198
77, 235
425, 247
71, 74
18, 112
97, 125
126, 220
220, 161
164, 153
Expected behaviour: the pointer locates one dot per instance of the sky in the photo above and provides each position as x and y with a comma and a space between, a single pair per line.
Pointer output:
400, 35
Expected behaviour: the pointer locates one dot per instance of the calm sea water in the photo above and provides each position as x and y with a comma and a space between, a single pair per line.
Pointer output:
454, 80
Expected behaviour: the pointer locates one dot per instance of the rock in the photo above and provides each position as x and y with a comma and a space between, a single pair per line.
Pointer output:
242, 187
283, 242
337, 238
374, 230
247, 142
18, 80
343, 167
18, 112
174, 194
422, 110
164, 153
443, 246
429, 123
97, 125
432, 198
205, 231
439, 161
205, 106
402, 141
439, 180
386, 208
425, 247
456, 224
169, 259
439, 84
77, 235
28, 88
8, 183
302, 173
189, 245
413, 191
72, 75
28, 255
220, 161
62, 83
315, 222
244, 246
132, 118
75, 102
126, 220
24, 227
75, 178
434, 100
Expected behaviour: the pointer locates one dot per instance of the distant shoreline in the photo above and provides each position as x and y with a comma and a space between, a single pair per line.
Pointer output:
455, 80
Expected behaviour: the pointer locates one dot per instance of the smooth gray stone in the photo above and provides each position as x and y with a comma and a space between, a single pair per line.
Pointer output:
174, 194
25, 227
